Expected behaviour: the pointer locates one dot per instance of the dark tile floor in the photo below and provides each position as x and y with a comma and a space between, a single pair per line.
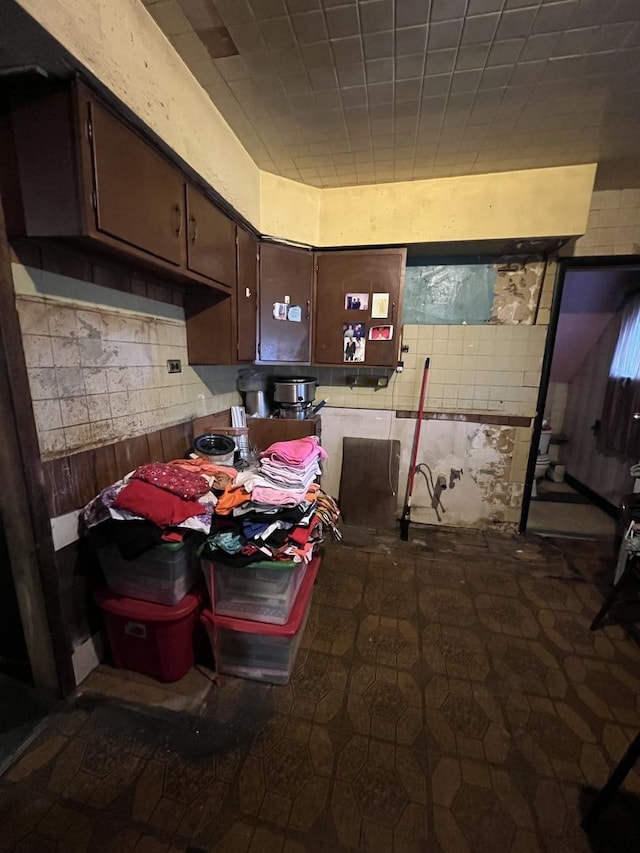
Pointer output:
449, 696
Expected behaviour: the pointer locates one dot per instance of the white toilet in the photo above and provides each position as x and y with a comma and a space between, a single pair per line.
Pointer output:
543, 460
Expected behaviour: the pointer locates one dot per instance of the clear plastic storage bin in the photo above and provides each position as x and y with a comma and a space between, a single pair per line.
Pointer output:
163, 575
257, 650
262, 592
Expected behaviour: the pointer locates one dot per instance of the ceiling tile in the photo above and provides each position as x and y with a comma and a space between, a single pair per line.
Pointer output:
440, 61
379, 70
246, 37
527, 72
447, 10
438, 84
574, 42
316, 55
411, 40
539, 46
299, 5
472, 56
407, 89
553, 17
496, 77
264, 9
442, 35
232, 68
309, 27
323, 78
234, 11
465, 81
504, 52
287, 59
342, 21
354, 96
347, 50
479, 29
351, 75
170, 18
378, 45
412, 12
380, 92
480, 7
277, 32
516, 23
376, 15
408, 67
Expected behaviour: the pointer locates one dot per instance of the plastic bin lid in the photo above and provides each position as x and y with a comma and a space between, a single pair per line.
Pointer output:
144, 611
275, 565
290, 628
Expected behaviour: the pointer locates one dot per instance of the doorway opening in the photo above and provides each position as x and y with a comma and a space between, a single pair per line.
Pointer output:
574, 488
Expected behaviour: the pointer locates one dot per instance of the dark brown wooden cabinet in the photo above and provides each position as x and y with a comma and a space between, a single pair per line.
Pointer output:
83, 172
137, 196
211, 239
363, 273
222, 329
286, 284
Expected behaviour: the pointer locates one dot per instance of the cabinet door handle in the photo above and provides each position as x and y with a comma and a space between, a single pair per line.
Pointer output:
178, 229
308, 308
393, 310
193, 229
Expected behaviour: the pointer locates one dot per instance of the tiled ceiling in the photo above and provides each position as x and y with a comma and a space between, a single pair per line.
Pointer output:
341, 92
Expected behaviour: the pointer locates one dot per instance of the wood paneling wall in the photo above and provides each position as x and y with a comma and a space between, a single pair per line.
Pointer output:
72, 481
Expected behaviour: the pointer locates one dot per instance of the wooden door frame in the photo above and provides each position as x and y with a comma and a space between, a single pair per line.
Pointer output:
565, 265
22, 502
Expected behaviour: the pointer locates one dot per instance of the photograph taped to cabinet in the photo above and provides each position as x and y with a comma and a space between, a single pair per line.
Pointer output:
381, 333
354, 341
379, 306
280, 310
356, 302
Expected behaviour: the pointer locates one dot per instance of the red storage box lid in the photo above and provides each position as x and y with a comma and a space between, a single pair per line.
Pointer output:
290, 628
144, 611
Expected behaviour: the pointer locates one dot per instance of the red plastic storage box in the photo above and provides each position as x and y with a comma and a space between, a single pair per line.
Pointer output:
256, 649
153, 639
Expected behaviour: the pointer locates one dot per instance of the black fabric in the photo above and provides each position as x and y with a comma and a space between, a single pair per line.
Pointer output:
133, 538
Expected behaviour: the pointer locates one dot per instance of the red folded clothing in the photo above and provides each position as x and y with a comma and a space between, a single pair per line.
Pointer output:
154, 504
172, 478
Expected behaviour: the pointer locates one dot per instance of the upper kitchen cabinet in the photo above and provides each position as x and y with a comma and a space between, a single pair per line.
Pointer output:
357, 307
211, 239
286, 284
222, 329
83, 172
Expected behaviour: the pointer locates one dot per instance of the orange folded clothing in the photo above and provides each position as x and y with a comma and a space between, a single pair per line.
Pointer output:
231, 497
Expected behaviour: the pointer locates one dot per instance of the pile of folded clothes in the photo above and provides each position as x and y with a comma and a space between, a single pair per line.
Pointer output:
275, 512
159, 502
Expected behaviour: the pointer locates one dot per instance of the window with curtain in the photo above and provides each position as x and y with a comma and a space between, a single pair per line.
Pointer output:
619, 428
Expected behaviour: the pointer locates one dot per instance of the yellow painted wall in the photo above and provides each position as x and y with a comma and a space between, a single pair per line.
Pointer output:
289, 210
531, 203
119, 43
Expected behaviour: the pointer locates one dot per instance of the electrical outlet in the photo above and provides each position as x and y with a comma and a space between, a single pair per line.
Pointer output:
174, 365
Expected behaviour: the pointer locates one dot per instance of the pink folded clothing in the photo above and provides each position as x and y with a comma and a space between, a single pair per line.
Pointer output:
297, 453
172, 478
276, 497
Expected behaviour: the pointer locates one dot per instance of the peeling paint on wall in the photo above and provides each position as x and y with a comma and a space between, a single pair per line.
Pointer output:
516, 294
472, 294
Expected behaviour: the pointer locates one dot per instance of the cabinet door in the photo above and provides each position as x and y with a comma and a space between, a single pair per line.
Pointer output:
210, 326
286, 278
359, 273
139, 196
211, 239
247, 295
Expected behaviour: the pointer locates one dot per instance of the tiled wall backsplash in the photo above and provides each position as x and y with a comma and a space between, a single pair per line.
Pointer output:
98, 373
614, 224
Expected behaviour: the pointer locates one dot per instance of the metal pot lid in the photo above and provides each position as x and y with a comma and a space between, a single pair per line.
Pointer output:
294, 380
213, 444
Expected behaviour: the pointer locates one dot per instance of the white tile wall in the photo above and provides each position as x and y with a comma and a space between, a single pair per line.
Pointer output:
614, 224
98, 374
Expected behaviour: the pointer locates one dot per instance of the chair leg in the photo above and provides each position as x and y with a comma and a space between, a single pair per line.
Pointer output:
613, 783
609, 601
